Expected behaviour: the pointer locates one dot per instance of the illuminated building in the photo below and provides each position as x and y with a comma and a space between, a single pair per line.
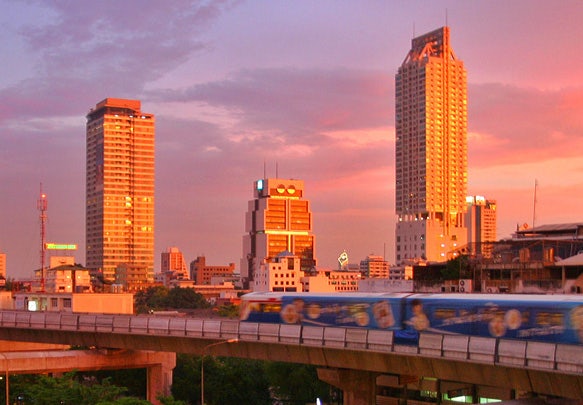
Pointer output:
281, 274
374, 267
430, 150
203, 274
278, 219
172, 264
481, 224
3, 265
120, 188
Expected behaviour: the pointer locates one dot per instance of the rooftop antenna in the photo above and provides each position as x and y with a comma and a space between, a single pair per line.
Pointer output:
413, 29
534, 203
42, 205
446, 22
276, 170
264, 170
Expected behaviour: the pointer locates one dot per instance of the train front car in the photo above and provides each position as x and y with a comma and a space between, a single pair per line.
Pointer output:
373, 311
543, 318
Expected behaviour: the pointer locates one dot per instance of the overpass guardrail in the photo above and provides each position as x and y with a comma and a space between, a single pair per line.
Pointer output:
557, 357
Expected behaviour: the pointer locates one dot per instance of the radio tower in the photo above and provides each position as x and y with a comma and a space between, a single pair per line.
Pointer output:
42, 207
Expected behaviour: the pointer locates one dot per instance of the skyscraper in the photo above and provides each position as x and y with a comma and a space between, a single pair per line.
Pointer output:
119, 221
431, 150
278, 220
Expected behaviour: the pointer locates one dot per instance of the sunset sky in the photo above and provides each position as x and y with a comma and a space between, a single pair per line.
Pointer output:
307, 86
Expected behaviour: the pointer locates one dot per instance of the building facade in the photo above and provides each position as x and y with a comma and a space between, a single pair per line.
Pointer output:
172, 261
282, 274
374, 267
481, 224
430, 150
120, 187
3, 266
278, 219
203, 274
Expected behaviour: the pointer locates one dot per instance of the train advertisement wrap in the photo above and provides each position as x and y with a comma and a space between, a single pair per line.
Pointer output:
523, 318
555, 319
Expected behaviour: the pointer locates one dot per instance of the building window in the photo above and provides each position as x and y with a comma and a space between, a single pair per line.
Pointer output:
66, 302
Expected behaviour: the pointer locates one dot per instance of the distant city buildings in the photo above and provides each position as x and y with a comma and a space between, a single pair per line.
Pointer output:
203, 274
173, 266
326, 280
431, 150
278, 219
282, 274
120, 190
481, 224
374, 267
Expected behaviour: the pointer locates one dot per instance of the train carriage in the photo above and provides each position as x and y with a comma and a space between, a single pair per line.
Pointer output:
544, 318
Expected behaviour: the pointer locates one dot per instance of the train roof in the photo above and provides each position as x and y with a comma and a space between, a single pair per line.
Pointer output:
439, 296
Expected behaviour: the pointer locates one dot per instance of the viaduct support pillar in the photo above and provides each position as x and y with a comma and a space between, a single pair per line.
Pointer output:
359, 387
159, 378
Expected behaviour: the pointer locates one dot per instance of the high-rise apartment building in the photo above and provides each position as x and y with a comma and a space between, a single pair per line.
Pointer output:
120, 188
481, 224
431, 150
278, 219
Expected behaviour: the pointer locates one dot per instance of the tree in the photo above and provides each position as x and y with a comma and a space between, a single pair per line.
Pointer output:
161, 298
152, 298
185, 298
227, 381
296, 383
45, 390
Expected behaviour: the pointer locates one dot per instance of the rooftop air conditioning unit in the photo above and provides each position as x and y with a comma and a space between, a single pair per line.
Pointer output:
465, 286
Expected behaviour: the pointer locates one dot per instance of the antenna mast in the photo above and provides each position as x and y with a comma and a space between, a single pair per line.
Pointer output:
534, 203
42, 207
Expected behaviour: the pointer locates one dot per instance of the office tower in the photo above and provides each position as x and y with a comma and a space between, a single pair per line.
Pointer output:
278, 219
481, 224
172, 261
120, 188
431, 150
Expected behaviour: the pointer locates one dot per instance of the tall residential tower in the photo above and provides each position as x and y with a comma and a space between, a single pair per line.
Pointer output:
431, 150
120, 188
278, 220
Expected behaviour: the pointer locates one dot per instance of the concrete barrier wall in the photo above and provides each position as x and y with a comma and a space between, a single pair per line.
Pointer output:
563, 359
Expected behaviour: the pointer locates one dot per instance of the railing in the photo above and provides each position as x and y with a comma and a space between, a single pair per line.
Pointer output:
567, 359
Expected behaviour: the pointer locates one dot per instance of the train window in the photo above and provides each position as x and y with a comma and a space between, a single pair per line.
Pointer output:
270, 308
443, 313
549, 318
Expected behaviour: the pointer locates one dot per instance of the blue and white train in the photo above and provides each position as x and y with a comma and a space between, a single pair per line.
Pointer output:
543, 318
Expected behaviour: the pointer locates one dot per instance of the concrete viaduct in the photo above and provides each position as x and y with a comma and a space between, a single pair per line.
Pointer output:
358, 361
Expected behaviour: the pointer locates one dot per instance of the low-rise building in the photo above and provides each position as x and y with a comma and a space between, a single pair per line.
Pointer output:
202, 274
282, 274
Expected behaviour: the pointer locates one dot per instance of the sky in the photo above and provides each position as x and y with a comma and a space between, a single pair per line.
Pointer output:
302, 89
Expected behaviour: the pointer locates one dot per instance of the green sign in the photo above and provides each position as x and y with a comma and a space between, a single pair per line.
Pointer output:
59, 246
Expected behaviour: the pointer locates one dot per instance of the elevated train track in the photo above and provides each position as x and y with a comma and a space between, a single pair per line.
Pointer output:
545, 368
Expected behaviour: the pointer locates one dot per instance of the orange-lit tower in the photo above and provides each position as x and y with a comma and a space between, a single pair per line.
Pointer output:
119, 218
279, 219
431, 150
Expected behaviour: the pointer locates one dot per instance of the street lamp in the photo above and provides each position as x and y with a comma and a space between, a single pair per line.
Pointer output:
202, 364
